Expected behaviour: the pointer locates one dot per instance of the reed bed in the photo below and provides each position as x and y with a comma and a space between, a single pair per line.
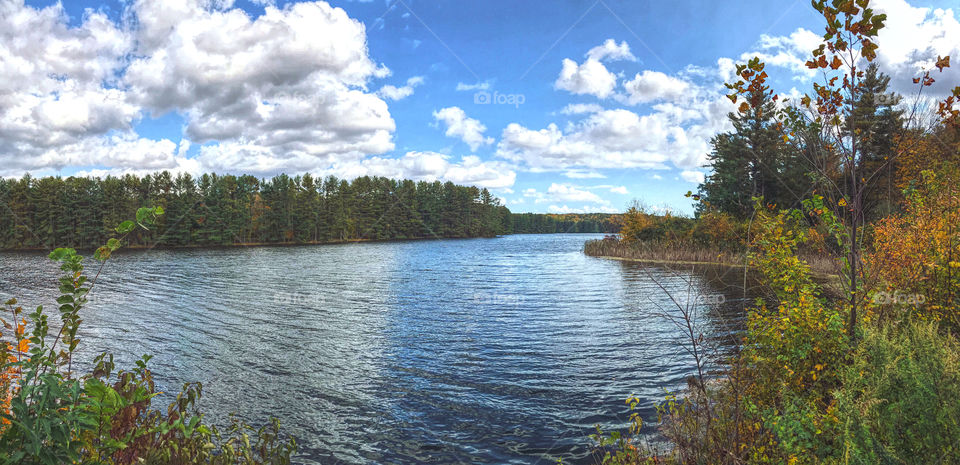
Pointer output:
660, 252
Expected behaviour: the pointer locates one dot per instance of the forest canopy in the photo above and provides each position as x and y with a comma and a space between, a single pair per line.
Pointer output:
216, 210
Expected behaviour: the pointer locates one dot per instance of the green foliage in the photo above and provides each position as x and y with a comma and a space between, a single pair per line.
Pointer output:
899, 399
752, 161
793, 351
225, 210
540, 223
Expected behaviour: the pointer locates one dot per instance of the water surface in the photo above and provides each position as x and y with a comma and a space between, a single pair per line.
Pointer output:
506, 350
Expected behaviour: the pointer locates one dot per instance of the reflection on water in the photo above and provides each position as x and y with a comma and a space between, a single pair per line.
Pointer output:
506, 350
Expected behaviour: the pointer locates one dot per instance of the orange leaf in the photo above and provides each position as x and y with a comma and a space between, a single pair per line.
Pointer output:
943, 62
836, 63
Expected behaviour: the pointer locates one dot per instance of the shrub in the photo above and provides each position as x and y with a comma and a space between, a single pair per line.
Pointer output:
899, 398
917, 254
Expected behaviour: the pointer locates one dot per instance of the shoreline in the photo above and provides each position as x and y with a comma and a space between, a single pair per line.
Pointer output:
283, 244
669, 262
258, 244
824, 279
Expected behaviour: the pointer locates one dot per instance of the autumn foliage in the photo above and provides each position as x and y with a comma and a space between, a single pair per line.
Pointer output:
868, 372
916, 253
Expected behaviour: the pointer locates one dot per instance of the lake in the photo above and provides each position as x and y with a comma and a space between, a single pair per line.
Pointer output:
505, 350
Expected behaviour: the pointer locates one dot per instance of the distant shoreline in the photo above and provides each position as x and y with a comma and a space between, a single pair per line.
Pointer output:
285, 244
255, 244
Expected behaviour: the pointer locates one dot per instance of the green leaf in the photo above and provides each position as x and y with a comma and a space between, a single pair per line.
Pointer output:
113, 244
126, 227
102, 253
62, 254
146, 216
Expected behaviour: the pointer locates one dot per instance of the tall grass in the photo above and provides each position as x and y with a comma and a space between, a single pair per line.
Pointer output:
657, 251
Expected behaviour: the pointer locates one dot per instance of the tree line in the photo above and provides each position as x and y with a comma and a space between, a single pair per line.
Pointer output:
212, 210
538, 223
757, 160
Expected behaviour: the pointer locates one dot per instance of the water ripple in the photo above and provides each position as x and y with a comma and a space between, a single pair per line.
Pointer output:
503, 350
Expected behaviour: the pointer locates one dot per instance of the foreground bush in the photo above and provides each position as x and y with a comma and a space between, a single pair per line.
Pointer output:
899, 401
916, 256
49, 415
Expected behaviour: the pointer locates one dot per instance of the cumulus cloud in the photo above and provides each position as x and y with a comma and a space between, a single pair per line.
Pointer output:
563, 209
590, 78
485, 85
618, 139
622, 190
432, 166
581, 108
567, 194
55, 101
459, 125
610, 50
692, 176
910, 42
583, 174
289, 85
651, 86
789, 52
399, 93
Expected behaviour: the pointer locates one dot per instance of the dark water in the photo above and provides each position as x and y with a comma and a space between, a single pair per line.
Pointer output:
506, 350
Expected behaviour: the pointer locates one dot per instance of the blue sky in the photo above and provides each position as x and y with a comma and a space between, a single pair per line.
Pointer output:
555, 106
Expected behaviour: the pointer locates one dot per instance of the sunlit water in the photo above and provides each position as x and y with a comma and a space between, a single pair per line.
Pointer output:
506, 350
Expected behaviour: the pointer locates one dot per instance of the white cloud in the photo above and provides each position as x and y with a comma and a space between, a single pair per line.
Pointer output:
692, 176
656, 86
565, 209
289, 85
568, 193
459, 125
791, 52
912, 40
610, 50
620, 139
583, 174
581, 108
590, 78
622, 190
58, 95
432, 166
909, 43
400, 93
485, 85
